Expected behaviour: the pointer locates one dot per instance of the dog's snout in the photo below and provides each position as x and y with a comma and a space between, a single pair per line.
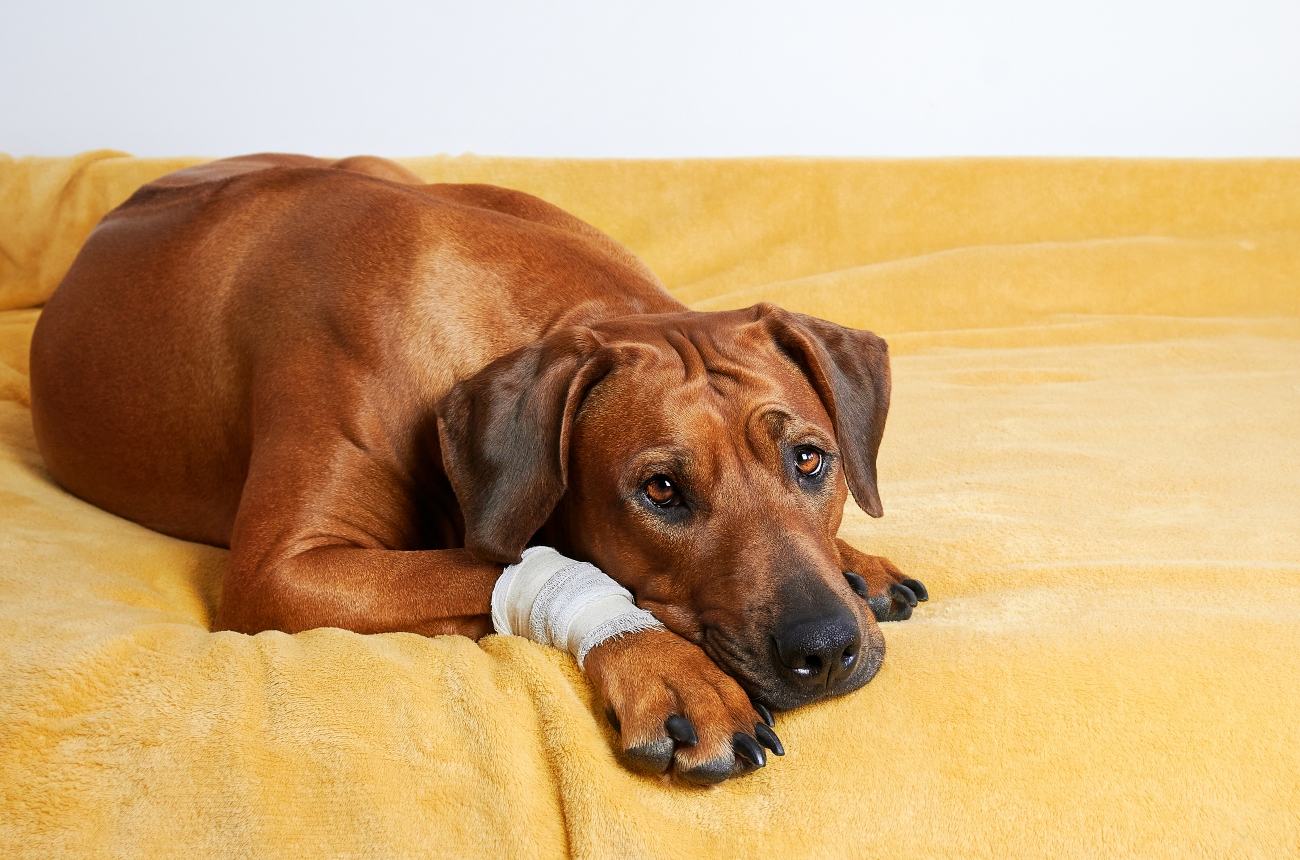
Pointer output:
819, 650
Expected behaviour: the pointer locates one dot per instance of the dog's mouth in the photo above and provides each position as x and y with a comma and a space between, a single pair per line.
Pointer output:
761, 672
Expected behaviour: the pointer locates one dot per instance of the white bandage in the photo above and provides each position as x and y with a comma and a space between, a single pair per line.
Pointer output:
566, 604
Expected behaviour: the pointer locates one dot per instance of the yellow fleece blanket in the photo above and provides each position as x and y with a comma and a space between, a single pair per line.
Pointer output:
1093, 461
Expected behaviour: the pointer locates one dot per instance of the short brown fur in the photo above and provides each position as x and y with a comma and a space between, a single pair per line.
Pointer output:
376, 392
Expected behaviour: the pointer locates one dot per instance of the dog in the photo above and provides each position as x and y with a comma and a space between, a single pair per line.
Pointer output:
378, 392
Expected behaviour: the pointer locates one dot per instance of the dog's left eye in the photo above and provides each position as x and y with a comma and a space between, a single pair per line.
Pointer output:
809, 461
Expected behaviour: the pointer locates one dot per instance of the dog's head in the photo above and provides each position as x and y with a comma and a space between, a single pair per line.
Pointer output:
703, 461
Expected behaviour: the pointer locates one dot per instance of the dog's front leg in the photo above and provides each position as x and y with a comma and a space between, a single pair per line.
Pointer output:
364, 590
890, 593
676, 711
317, 547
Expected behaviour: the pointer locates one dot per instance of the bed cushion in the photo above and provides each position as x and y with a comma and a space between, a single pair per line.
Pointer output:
1093, 462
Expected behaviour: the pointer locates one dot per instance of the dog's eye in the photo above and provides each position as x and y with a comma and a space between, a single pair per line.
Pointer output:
661, 490
809, 461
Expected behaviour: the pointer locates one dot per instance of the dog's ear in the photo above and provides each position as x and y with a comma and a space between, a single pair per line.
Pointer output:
849, 369
504, 434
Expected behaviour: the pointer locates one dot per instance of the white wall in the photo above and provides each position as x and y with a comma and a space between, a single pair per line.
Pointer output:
403, 77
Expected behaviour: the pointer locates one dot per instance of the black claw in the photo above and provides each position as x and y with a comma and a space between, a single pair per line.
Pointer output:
748, 749
613, 719
680, 729
918, 589
768, 738
857, 583
903, 593
763, 711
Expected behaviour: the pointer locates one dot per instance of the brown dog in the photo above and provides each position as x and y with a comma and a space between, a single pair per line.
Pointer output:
378, 392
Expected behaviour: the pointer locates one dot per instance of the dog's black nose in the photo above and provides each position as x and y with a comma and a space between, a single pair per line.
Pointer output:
819, 650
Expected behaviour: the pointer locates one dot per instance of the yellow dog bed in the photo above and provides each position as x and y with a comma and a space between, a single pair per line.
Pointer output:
1093, 461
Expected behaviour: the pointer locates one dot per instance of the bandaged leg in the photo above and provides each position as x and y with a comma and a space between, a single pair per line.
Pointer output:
566, 604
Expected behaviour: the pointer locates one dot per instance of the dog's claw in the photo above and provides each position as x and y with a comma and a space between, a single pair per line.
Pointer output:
857, 583
918, 589
764, 712
748, 749
680, 729
768, 738
897, 603
903, 593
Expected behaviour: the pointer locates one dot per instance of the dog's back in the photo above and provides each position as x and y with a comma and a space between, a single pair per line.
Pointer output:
219, 300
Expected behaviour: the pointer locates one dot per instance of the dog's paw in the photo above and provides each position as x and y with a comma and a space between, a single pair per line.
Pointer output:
676, 712
890, 594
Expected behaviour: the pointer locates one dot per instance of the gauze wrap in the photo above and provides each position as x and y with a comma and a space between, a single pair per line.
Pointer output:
566, 604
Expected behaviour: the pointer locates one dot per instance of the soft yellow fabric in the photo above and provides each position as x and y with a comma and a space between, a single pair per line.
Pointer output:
1093, 461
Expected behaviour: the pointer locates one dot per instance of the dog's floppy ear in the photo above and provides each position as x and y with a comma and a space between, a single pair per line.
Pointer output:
849, 369
504, 434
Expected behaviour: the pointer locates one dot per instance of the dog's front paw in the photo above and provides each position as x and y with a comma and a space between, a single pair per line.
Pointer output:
675, 710
890, 593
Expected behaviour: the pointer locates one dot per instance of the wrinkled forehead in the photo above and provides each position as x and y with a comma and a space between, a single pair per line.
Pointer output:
709, 371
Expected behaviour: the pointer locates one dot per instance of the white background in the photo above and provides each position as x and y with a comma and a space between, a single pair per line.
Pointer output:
400, 77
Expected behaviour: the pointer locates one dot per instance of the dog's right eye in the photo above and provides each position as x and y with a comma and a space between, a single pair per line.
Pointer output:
661, 491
